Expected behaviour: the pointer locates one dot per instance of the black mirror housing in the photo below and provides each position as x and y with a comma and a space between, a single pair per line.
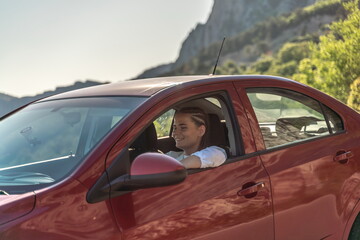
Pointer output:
147, 170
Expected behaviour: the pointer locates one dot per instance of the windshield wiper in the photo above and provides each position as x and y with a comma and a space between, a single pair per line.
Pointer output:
2, 192
24, 178
38, 162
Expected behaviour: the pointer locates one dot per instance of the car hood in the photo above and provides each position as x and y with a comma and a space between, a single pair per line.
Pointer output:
15, 206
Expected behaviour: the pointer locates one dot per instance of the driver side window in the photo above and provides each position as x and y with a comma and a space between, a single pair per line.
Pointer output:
157, 137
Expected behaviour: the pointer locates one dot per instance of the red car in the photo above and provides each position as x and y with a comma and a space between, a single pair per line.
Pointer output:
87, 164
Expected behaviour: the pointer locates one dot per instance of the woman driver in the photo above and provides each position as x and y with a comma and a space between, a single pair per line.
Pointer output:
190, 134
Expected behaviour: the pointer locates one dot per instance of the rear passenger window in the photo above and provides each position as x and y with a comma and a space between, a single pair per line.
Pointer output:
286, 117
335, 122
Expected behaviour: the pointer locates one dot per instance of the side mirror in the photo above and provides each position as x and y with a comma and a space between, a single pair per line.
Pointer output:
150, 170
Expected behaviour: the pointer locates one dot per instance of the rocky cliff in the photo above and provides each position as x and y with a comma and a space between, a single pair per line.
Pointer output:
231, 17
228, 18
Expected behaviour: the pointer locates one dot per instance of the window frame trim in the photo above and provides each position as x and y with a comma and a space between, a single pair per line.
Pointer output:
223, 96
301, 141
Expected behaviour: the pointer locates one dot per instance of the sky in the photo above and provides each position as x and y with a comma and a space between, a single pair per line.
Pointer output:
45, 44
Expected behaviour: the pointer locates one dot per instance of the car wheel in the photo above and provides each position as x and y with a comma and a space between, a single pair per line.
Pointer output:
355, 229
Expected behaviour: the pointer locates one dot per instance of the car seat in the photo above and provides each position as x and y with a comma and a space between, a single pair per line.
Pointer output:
288, 130
217, 134
146, 142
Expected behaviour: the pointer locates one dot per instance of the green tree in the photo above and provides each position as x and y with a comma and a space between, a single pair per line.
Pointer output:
293, 52
229, 68
262, 66
286, 61
286, 69
334, 63
354, 97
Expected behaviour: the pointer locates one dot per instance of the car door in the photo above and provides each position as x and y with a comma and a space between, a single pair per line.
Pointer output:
307, 154
232, 201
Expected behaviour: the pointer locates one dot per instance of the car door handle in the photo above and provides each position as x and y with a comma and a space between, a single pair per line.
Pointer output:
343, 156
250, 189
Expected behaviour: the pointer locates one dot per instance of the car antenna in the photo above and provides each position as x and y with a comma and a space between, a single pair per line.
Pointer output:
217, 60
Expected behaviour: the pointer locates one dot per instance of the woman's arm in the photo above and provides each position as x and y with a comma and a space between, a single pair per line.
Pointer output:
191, 162
209, 157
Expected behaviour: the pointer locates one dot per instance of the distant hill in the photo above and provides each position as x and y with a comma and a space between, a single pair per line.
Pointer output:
9, 103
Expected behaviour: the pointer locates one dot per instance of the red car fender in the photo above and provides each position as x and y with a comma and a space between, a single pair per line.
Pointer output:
355, 210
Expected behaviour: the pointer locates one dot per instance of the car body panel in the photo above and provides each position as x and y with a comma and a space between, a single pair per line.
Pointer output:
61, 212
143, 87
164, 213
16, 206
220, 203
297, 183
307, 184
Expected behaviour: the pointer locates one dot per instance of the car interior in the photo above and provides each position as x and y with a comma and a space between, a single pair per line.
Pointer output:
220, 130
291, 129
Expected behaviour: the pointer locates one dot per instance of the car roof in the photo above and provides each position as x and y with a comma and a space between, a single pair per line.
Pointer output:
150, 86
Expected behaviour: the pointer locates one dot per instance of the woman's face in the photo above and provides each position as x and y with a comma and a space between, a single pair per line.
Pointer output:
186, 133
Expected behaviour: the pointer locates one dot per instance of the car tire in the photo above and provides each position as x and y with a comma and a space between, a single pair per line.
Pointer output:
355, 229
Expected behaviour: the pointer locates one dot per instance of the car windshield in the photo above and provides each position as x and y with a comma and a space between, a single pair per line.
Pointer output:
45, 141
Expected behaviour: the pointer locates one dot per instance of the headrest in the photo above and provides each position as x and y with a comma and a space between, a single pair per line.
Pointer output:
216, 131
146, 142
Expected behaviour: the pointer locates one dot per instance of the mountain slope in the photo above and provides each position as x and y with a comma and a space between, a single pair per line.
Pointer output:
231, 17
9, 103
265, 37
228, 18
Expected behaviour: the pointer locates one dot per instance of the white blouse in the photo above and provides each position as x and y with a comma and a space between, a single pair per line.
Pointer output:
210, 157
